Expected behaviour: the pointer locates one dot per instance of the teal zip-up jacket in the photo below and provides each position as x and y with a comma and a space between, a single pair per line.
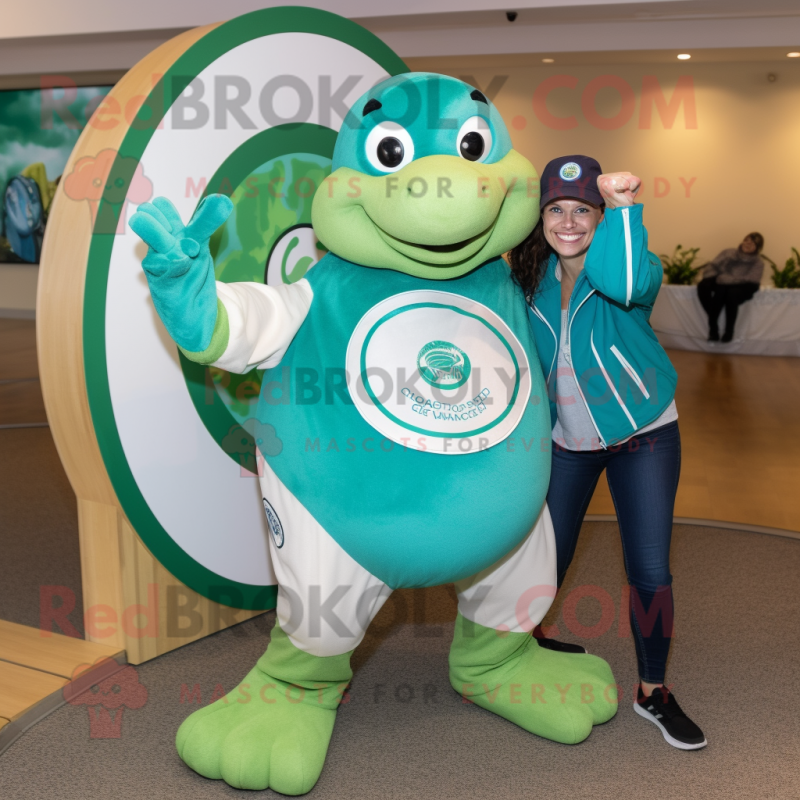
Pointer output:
624, 376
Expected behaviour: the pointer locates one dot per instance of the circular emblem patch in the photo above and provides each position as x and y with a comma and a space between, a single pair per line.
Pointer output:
275, 527
442, 364
570, 171
437, 372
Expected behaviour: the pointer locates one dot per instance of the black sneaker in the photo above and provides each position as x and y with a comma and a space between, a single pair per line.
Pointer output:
662, 709
559, 647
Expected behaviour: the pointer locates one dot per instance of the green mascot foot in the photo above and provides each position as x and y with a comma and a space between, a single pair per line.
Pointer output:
559, 696
272, 731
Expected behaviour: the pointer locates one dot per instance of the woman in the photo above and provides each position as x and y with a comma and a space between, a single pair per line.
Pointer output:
731, 279
591, 283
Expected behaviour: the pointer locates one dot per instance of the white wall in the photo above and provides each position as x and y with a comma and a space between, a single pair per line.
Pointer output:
57, 18
738, 157
18, 289
84, 35
747, 137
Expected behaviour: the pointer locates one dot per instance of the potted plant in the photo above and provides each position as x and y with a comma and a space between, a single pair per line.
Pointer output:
789, 276
678, 267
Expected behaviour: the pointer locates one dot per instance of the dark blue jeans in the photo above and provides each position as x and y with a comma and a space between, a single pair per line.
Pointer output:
643, 477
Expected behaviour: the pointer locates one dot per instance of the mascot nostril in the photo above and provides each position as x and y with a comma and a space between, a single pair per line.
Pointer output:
425, 365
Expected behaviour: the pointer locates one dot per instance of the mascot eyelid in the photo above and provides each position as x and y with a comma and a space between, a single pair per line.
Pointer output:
389, 147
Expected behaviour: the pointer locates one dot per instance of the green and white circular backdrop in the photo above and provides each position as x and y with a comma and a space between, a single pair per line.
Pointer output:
251, 110
437, 371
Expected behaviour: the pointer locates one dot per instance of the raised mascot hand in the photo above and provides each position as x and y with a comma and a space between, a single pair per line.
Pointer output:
179, 267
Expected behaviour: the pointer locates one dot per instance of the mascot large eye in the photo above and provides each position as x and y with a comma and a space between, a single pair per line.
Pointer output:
389, 147
474, 139
390, 151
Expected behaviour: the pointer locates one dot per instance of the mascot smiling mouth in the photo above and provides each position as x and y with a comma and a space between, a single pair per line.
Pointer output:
448, 254
434, 197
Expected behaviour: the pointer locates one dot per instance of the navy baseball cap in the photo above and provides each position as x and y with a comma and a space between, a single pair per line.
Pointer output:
571, 176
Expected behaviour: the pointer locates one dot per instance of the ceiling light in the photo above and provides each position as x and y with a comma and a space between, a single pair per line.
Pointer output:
684, 56
793, 55
552, 60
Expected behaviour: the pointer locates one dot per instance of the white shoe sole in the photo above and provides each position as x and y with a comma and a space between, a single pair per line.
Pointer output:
671, 739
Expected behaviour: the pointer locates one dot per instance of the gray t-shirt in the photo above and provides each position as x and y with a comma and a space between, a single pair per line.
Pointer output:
574, 429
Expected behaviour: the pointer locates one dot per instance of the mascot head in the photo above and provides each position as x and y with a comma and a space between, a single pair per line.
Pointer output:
425, 181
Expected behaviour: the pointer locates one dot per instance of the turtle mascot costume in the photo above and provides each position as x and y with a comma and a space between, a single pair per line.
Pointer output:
412, 438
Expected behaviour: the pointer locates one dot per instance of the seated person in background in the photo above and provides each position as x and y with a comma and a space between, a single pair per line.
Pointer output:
731, 279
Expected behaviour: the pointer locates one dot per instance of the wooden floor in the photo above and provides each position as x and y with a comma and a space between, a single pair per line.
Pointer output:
740, 433
20, 395
35, 667
739, 419
740, 430
37, 670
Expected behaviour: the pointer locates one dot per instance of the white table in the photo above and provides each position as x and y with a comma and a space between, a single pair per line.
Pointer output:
767, 325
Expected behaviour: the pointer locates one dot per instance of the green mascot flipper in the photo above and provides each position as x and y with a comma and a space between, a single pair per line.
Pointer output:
554, 696
273, 729
411, 406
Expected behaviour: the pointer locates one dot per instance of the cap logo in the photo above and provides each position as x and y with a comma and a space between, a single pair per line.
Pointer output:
570, 171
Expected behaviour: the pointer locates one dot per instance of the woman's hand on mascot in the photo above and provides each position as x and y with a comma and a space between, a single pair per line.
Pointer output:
179, 266
619, 188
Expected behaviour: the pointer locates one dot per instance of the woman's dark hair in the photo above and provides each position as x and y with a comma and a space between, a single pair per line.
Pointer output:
528, 261
758, 241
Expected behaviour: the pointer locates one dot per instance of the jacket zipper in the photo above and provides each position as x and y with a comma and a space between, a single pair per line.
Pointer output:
577, 382
626, 224
555, 352
631, 371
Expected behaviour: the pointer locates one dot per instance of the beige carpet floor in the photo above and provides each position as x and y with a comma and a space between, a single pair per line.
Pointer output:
406, 734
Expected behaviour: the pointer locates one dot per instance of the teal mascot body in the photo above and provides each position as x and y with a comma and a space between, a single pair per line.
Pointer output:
403, 382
